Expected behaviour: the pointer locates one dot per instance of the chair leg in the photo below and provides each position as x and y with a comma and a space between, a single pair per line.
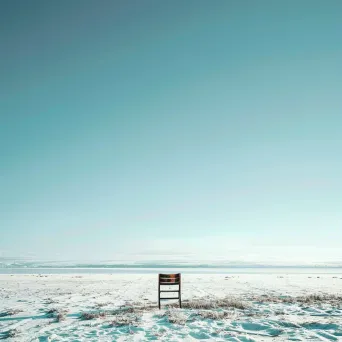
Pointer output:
159, 296
180, 296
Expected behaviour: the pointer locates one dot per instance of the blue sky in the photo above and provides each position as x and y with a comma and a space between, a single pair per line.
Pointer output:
198, 129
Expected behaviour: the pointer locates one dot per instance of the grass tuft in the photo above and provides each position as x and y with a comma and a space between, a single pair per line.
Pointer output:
86, 316
311, 299
60, 317
176, 316
215, 315
227, 302
58, 314
125, 319
10, 334
10, 312
101, 305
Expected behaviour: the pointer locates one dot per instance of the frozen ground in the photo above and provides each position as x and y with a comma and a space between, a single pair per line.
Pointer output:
218, 307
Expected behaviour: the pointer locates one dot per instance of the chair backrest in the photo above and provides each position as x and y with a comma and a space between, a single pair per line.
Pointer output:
167, 279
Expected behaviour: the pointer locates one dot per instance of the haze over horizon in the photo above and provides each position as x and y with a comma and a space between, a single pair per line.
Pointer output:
171, 129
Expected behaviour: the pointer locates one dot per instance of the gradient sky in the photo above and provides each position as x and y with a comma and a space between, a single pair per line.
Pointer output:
184, 128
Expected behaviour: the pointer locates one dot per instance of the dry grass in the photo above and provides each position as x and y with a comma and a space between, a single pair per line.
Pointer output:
125, 319
13, 333
179, 316
10, 334
86, 316
52, 312
311, 299
129, 313
143, 306
58, 314
216, 315
216, 303
101, 305
128, 309
315, 298
60, 317
135, 307
49, 301
122, 311
176, 316
10, 312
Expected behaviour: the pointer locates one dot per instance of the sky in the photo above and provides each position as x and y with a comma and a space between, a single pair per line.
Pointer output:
197, 130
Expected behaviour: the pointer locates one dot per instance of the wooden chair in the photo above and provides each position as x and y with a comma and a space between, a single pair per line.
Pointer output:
169, 279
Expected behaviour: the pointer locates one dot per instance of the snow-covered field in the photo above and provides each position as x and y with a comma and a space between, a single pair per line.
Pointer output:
217, 307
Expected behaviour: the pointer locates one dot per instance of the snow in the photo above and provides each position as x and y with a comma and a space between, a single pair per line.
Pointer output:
273, 310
